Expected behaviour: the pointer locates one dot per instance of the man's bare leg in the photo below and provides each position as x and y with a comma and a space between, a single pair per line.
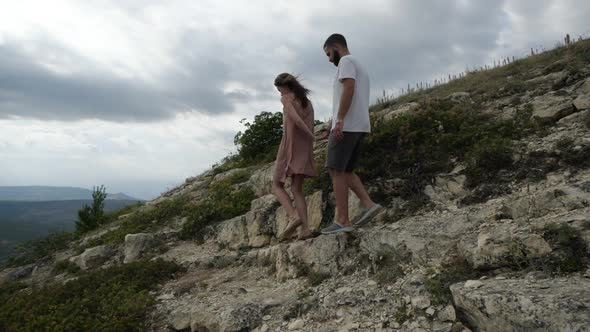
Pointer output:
355, 184
340, 187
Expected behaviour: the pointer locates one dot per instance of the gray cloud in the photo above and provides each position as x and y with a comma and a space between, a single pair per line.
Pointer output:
28, 89
404, 42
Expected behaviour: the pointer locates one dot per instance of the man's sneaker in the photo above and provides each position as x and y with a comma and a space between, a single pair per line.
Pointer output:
367, 214
335, 228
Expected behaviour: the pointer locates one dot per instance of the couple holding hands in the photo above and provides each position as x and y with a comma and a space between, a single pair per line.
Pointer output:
350, 123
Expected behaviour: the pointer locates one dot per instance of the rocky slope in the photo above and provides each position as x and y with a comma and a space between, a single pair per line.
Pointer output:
494, 265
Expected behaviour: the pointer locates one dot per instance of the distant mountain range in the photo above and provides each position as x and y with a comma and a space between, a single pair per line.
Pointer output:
47, 193
34, 211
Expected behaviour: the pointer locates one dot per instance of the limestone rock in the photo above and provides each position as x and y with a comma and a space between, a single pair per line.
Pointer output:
233, 233
261, 180
561, 304
16, 273
136, 245
180, 319
502, 246
93, 257
225, 175
577, 118
459, 97
448, 314
582, 102
551, 107
389, 114
296, 325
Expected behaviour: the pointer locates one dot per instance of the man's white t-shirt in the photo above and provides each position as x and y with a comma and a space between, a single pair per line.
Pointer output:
357, 118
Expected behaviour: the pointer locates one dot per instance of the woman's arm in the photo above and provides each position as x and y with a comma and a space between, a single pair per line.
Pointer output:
292, 113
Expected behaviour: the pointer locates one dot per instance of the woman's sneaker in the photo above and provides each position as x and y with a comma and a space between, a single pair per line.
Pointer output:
367, 214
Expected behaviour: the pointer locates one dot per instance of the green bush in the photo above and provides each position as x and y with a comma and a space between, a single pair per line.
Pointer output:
90, 217
65, 266
569, 249
260, 140
114, 299
486, 158
416, 147
453, 271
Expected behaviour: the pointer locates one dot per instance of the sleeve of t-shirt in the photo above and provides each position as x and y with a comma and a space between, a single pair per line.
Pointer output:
346, 69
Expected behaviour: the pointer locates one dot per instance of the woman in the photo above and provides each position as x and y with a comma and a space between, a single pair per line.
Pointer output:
295, 154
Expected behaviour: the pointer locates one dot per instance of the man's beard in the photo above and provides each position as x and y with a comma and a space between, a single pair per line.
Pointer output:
336, 58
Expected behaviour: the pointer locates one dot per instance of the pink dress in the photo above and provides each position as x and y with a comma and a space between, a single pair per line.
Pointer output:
295, 155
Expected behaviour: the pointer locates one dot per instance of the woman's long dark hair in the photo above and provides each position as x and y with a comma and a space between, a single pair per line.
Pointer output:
291, 82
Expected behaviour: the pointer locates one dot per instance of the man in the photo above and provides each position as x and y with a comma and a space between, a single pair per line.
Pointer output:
350, 123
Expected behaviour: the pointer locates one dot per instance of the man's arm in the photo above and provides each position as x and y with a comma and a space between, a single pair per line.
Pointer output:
345, 102
346, 97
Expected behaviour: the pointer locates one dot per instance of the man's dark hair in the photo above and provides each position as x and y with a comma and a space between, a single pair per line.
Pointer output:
334, 39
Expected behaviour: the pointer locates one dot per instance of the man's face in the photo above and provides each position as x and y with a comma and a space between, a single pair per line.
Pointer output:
332, 54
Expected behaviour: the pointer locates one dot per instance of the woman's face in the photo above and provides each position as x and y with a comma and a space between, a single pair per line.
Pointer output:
283, 90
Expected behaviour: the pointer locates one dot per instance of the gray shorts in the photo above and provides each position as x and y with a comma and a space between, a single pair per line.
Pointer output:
343, 155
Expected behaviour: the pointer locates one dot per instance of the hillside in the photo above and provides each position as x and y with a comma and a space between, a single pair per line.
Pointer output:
486, 184
25, 220
48, 193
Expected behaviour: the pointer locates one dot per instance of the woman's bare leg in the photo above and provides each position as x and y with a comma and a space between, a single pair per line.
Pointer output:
278, 189
300, 204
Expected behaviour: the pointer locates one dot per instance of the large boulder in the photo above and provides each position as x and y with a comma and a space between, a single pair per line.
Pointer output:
551, 107
561, 304
392, 112
233, 233
225, 175
16, 273
136, 245
93, 257
551, 200
324, 254
237, 318
582, 102
261, 180
503, 245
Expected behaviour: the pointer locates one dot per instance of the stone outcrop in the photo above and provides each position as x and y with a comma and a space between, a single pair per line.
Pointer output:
93, 257
561, 304
136, 245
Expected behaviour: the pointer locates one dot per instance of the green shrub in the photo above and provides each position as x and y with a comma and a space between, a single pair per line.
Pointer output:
90, 217
416, 147
569, 249
65, 266
454, 271
486, 158
258, 143
114, 299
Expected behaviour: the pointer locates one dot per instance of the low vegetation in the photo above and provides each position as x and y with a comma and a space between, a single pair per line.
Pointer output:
113, 299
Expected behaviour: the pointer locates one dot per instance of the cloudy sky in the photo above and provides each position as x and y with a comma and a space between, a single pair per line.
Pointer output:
139, 95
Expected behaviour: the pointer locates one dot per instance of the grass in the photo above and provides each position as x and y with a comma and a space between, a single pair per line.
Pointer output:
114, 299
497, 82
